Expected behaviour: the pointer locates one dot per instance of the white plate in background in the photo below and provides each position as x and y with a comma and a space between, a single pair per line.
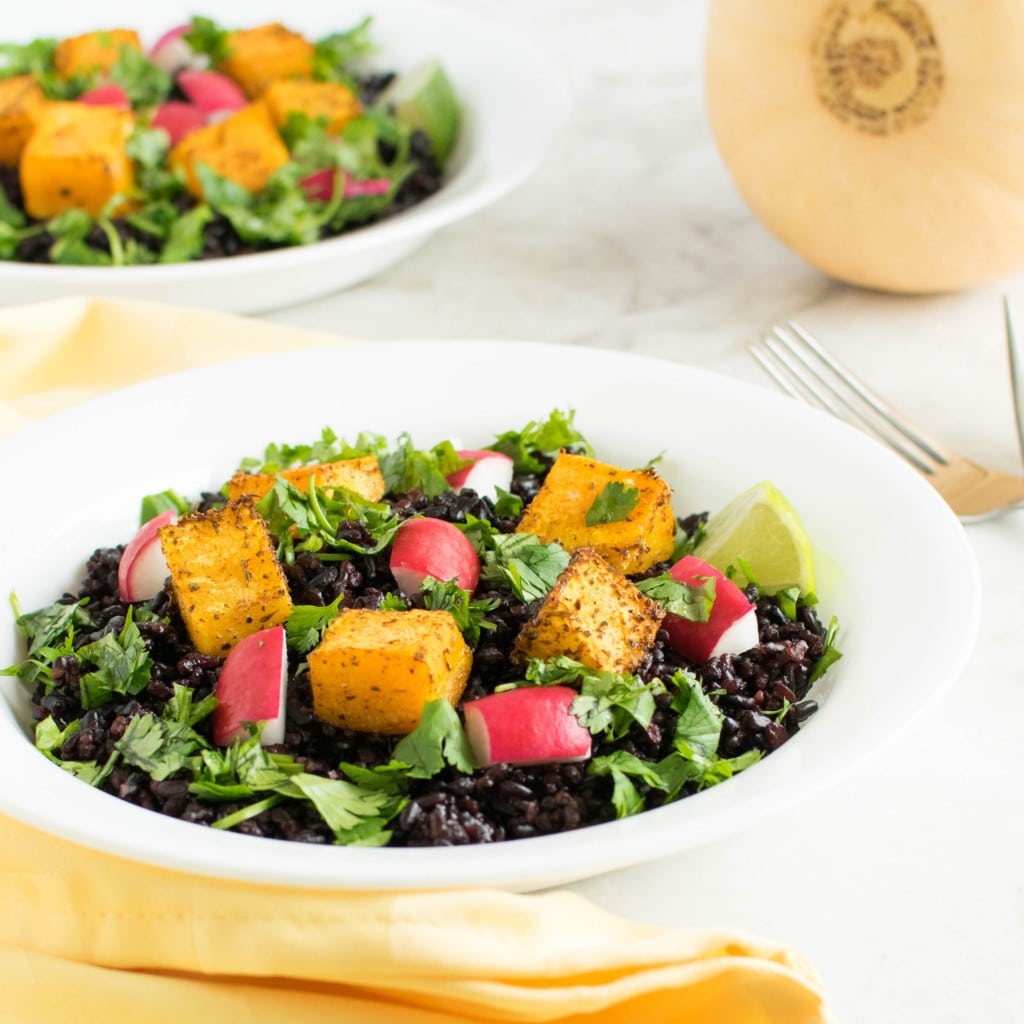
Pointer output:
514, 99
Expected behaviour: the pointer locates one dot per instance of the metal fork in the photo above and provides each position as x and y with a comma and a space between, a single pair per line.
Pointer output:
801, 366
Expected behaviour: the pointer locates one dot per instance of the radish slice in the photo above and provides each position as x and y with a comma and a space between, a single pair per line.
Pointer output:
487, 472
432, 547
143, 569
320, 185
211, 91
252, 687
732, 626
173, 54
177, 119
109, 95
532, 725
366, 187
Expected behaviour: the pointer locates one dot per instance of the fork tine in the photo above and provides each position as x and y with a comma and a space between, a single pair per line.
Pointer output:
1016, 373
781, 356
933, 448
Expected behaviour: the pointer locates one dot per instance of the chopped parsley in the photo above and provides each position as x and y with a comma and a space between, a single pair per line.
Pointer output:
612, 505
531, 447
687, 600
521, 561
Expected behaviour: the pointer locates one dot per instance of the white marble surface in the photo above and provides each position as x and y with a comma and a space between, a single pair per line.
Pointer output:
904, 886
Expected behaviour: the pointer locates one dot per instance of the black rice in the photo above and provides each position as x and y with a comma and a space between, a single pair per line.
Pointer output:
763, 696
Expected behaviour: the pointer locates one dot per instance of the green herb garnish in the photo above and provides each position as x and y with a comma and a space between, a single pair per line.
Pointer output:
612, 505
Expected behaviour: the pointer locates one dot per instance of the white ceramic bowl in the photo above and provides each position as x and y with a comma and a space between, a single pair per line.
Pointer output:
515, 100
888, 553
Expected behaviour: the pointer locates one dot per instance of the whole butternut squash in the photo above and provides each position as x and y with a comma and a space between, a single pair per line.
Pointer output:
879, 139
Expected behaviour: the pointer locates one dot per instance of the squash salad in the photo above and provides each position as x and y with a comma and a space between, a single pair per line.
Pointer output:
209, 142
376, 644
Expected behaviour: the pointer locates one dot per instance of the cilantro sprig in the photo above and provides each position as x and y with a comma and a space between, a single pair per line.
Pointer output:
520, 561
612, 505
309, 520
691, 601
530, 447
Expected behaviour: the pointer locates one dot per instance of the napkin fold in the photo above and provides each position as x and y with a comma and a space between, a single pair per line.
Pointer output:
87, 936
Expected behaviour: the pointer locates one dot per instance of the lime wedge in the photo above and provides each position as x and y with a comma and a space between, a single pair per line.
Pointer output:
760, 528
424, 98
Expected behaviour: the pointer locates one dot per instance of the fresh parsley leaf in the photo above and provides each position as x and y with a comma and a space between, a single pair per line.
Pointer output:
612, 505
438, 740
522, 562
206, 36
307, 622
145, 84
407, 468
182, 709
185, 239
470, 615
686, 542
545, 438
507, 504
831, 654
309, 520
789, 600
50, 736
123, 665
245, 813
333, 54
70, 231
393, 602
623, 767
156, 504
689, 601
10, 215
699, 725
160, 748
33, 58
329, 448
609, 702
357, 816
51, 624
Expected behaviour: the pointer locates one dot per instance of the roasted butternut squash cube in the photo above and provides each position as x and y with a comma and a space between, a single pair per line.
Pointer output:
593, 615
265, 54
21, 100
225, 575
361, 475
76, 157
79, 55
643, 538
332, 101
374, 670
245, 148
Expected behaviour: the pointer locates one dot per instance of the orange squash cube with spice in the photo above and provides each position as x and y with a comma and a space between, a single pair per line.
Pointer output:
77, 156
21, 100
93, 51
593, 615
631, 541
361, 475
265, 54
333, 102
245, 148
227, 581
375, 669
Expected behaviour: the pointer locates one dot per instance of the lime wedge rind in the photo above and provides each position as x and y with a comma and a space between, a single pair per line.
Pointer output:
424, 98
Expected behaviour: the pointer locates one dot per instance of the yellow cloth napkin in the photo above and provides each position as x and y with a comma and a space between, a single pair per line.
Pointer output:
89, 937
